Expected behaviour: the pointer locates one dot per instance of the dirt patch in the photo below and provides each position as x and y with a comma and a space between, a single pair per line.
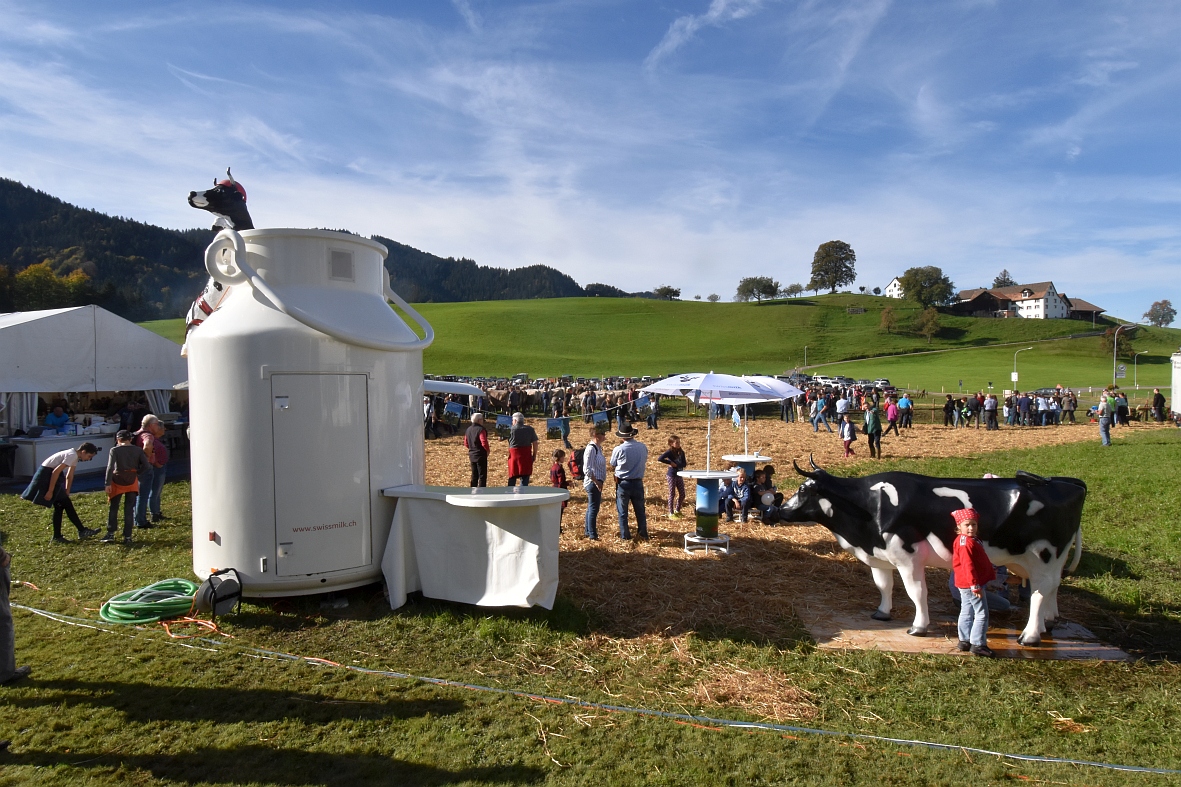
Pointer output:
780, 580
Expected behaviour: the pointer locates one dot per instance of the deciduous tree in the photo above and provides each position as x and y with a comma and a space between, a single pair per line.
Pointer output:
792, 290
1161, 314
667, 293
714, 297
756, 288
1126, 335
928, 323
877, 290
889, 320
927, 285
833, 264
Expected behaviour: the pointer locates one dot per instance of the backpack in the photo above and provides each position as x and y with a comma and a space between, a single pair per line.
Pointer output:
577, 471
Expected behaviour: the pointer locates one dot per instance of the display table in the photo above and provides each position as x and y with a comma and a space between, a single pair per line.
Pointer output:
747, 462
709, 488
493, 547
32, 451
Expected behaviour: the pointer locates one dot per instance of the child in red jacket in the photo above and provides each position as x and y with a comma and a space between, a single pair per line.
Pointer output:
973, 570
557, 475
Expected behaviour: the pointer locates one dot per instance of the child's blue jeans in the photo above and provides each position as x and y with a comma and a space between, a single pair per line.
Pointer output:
973, 625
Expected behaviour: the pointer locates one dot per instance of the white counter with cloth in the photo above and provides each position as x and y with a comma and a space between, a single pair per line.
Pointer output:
493, 547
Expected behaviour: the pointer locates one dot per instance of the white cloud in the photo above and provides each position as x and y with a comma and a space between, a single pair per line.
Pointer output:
684, 28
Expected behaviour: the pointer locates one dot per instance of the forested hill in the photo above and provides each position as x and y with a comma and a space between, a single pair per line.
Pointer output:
421, 277
53, 254
81, 256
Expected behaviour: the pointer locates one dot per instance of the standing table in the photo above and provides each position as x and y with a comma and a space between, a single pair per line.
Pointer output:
709, 487
747, 462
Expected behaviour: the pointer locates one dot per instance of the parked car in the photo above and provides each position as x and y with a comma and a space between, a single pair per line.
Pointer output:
881, 382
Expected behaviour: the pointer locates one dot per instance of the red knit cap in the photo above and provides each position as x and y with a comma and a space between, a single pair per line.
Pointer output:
963, 515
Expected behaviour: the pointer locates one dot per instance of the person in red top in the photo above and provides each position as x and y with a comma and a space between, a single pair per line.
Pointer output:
557, 476
973, 570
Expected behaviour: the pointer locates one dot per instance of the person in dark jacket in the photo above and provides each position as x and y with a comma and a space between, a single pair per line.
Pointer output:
475, 440
125, 464
1158, 405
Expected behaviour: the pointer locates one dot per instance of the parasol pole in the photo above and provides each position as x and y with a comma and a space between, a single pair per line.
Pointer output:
745, 431
709, 418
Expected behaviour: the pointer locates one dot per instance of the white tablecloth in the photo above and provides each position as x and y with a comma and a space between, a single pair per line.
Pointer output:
490, 547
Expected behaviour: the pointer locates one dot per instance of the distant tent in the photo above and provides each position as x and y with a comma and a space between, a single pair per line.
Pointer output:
84, 348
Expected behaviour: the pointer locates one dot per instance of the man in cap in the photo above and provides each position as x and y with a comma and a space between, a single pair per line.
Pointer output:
475, 440
628, 461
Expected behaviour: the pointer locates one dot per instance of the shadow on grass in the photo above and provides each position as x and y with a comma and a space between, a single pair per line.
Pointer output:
265, 765
145, 702
1154, 635
1095, 564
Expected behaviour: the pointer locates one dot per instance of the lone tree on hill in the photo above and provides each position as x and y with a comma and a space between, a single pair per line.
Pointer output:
756, 288
928, 323
927, 285
889, 320
1125, 341
792, 290
833, 264
667, 293
714, 297
1003, 279
877, 290
1161, 314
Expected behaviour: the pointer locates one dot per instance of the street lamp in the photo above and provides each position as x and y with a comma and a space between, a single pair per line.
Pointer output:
1115, 346
805, 356
1136, 369
1023, 349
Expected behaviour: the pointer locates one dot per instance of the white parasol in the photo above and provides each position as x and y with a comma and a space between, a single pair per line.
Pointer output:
771, 389
711, 388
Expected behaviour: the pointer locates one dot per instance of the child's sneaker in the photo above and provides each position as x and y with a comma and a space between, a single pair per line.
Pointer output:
109, 538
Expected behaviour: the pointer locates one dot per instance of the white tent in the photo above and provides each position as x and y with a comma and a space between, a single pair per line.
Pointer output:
84, 348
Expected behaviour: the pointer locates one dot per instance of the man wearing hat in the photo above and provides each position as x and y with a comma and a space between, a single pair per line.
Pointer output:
628, 461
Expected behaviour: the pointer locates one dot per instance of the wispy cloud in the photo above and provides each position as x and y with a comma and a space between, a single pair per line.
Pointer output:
684, 28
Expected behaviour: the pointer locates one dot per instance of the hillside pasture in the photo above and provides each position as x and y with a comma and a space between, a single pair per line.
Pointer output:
594, 337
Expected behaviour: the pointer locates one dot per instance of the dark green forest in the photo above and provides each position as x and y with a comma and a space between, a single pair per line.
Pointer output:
53, 255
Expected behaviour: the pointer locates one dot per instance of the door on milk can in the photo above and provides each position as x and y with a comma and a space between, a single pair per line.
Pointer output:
321, 446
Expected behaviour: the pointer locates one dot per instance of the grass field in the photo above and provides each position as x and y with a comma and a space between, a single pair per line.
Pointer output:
593, 337
141, 708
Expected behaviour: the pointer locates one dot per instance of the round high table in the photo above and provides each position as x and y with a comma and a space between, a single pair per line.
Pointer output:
709, 488
747, 462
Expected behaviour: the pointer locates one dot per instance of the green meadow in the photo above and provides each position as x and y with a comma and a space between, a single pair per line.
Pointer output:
594, 337
134, 706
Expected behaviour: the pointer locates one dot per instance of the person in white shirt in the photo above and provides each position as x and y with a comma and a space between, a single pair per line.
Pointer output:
594, 469
51, 486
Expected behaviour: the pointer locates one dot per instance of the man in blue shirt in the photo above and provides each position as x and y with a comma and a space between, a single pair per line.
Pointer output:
905, 411
57, 419
628, 461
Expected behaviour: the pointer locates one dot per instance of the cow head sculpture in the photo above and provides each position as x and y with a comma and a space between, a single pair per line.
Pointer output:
227, 201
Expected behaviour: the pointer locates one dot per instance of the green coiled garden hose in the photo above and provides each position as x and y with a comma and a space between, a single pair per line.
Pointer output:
168, 598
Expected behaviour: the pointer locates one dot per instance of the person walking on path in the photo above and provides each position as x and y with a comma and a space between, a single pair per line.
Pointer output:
151, 482
522, 451
51, 486
892, 416
124, 465
594, 469
675, 458
628, 462
475, 440
873, 429
9, 672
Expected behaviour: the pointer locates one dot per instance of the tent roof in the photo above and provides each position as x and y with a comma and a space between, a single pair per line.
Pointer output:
84, 348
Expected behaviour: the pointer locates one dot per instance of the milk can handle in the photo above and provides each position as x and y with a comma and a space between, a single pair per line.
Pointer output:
238, 270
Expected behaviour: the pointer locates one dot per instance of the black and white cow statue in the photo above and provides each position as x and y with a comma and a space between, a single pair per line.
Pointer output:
227, 201
903, 521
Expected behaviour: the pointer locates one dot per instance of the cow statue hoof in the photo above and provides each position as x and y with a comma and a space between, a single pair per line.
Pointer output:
1028, 642
879, 615
915, 631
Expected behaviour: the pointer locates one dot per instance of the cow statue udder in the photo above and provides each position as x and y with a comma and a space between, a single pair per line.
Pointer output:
903, 521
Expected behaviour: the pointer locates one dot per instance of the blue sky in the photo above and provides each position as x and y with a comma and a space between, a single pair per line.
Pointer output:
636, 143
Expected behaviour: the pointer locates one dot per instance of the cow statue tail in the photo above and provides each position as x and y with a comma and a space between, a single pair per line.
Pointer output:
1078, 550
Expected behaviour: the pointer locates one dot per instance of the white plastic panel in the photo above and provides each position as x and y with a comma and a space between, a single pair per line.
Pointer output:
321, 454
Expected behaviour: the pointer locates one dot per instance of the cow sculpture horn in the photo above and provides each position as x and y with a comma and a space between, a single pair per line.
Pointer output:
802, 471
229, 176
815, 466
